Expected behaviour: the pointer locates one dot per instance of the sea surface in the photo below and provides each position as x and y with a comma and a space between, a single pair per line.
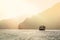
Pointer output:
13, 34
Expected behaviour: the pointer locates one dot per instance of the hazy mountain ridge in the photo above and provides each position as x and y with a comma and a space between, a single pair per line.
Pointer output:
50, 18
8, 24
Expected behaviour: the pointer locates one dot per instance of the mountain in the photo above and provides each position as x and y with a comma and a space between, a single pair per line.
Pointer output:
8, 24
50, 18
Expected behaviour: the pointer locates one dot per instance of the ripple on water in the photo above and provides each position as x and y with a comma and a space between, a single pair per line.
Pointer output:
29, 35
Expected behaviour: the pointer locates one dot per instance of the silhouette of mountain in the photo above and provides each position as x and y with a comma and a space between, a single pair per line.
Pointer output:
8, 24
50, 18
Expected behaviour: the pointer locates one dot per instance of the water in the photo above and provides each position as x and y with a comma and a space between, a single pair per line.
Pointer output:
9, 34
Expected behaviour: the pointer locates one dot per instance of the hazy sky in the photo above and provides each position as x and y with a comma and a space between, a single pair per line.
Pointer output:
23, 8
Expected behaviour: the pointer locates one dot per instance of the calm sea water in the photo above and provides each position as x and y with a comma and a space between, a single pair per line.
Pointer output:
9, 34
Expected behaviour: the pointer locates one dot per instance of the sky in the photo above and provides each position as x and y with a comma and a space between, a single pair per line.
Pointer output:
21, 9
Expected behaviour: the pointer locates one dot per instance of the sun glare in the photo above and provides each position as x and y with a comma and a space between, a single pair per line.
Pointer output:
21, 8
